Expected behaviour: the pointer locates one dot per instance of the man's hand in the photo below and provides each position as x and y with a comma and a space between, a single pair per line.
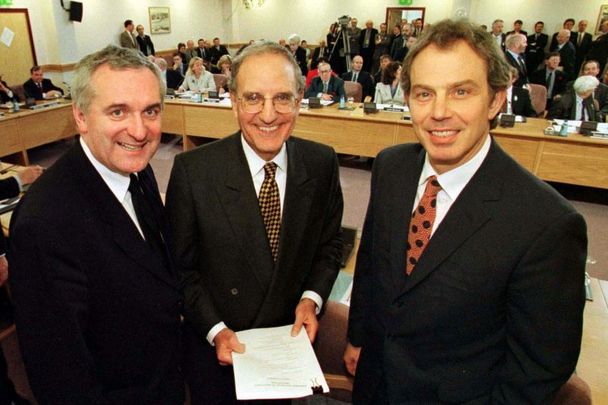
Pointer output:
351, 358
30, 174
327, 97
226, 342
306, 315
3, 270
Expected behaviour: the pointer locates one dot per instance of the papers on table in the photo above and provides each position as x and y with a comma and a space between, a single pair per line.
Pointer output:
323, 102
573, 127
194, 97
393, 108
276, 365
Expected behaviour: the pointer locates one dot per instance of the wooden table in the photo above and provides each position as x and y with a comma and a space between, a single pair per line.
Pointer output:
30, 128
574, 160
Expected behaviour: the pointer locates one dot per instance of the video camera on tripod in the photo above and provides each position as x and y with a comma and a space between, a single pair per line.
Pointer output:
344, 37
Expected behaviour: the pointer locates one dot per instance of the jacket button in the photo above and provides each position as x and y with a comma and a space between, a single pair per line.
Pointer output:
234, 291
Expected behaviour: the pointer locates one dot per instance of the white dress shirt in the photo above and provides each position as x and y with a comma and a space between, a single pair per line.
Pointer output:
452, 182
256, 168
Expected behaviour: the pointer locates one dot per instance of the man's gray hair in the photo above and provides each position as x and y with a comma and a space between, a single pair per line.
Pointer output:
514, 40
585, 83
265, 48
116, 58
294, 39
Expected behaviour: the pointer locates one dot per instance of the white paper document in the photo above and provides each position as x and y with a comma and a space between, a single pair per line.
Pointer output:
276, 365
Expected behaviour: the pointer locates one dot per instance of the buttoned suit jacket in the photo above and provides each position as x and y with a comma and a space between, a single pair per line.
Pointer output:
492, 312
125, 40
565, 108
220, 242
366, 80
559, 83
535, 52
335, 87
144, 43
523, 73
33, 91
97, 312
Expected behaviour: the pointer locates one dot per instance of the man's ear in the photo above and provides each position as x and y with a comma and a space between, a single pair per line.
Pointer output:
80, 118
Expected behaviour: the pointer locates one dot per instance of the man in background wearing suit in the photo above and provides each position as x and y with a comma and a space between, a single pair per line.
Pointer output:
322, 51
9, 188
567, 25
515, 46
497, 35
38, 87
217, 51
360, 76
518, 100
578, 102
599, 47
97, 301
325, 85
144, 42
469, 284
127, 38
172, 78
551, 77
367, 45
247, 262
567, 53
582, 43
535, 52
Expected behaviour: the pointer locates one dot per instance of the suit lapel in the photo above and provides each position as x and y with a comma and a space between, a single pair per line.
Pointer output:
465, 217
237, 193
110, 211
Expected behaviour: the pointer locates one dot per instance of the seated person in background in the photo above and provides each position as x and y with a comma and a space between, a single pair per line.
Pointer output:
518, 98
322, 51
172, 78
325, 85
217, 51
312, 73
592, 68
577, 104
181, 49
356, 74
40, 88
178, 64
197, 79
6, 94
384, 61
550, 76
388, 91
224, 66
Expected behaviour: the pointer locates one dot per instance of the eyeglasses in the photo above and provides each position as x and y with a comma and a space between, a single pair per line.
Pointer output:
253, 103
325, 71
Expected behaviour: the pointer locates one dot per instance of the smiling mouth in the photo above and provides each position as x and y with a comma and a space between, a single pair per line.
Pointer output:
443, 133
129, 147
268, 129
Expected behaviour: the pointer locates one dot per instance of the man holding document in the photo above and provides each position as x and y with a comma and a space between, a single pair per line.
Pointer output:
256, 219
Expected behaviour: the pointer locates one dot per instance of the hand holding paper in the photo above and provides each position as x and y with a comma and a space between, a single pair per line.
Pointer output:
226, 342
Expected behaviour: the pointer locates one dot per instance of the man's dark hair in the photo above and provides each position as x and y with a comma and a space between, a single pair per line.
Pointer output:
539, 22
35, 69
567, 20
549, 55
520, 22
128, 22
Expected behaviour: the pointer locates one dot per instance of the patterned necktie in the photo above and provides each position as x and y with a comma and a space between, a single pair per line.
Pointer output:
421, 224
148, 222
270, 207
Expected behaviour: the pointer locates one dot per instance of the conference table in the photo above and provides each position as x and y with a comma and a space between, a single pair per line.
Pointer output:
575, 159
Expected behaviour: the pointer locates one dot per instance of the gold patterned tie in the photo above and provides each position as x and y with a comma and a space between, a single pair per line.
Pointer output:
421, 224
270, 207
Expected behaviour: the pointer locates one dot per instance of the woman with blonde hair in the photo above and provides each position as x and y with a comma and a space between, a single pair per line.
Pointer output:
197, 78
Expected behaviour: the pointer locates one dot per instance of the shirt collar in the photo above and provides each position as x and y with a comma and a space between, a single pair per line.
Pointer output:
455, 180
118, 183
515, 55
256, 163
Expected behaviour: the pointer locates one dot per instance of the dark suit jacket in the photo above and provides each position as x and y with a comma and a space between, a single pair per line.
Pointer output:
335, 87
567, 59
535, 51
97, 314
300, 56
144, 43
599, 50
559, 83
521, 103
125, 40
4, 97
565, 108
220, 241
215, 54
367, 53
33, 91
523, 72
9, 188
476, 320
316, 54
174, 79
366, 80
398, 51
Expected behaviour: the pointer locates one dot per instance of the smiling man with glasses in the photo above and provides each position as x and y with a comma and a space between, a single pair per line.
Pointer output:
256, 218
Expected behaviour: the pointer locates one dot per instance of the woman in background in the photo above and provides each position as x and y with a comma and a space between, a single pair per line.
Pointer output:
389, 90
197, 78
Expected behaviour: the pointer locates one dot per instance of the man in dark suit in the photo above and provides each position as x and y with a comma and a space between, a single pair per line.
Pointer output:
367, 45
247, 265
356, 74
298, 52
325, 85
515, 46
9, 188
322, 51
465, 257
172, 78
517, 24
567, 25
599, 47
578, 103
535, 52
217, 51
497, 34
6, 94
518, 100
600, 94
40, 88
567, 53
97, 301
551, 77
144, 42
582, 43
203, 52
